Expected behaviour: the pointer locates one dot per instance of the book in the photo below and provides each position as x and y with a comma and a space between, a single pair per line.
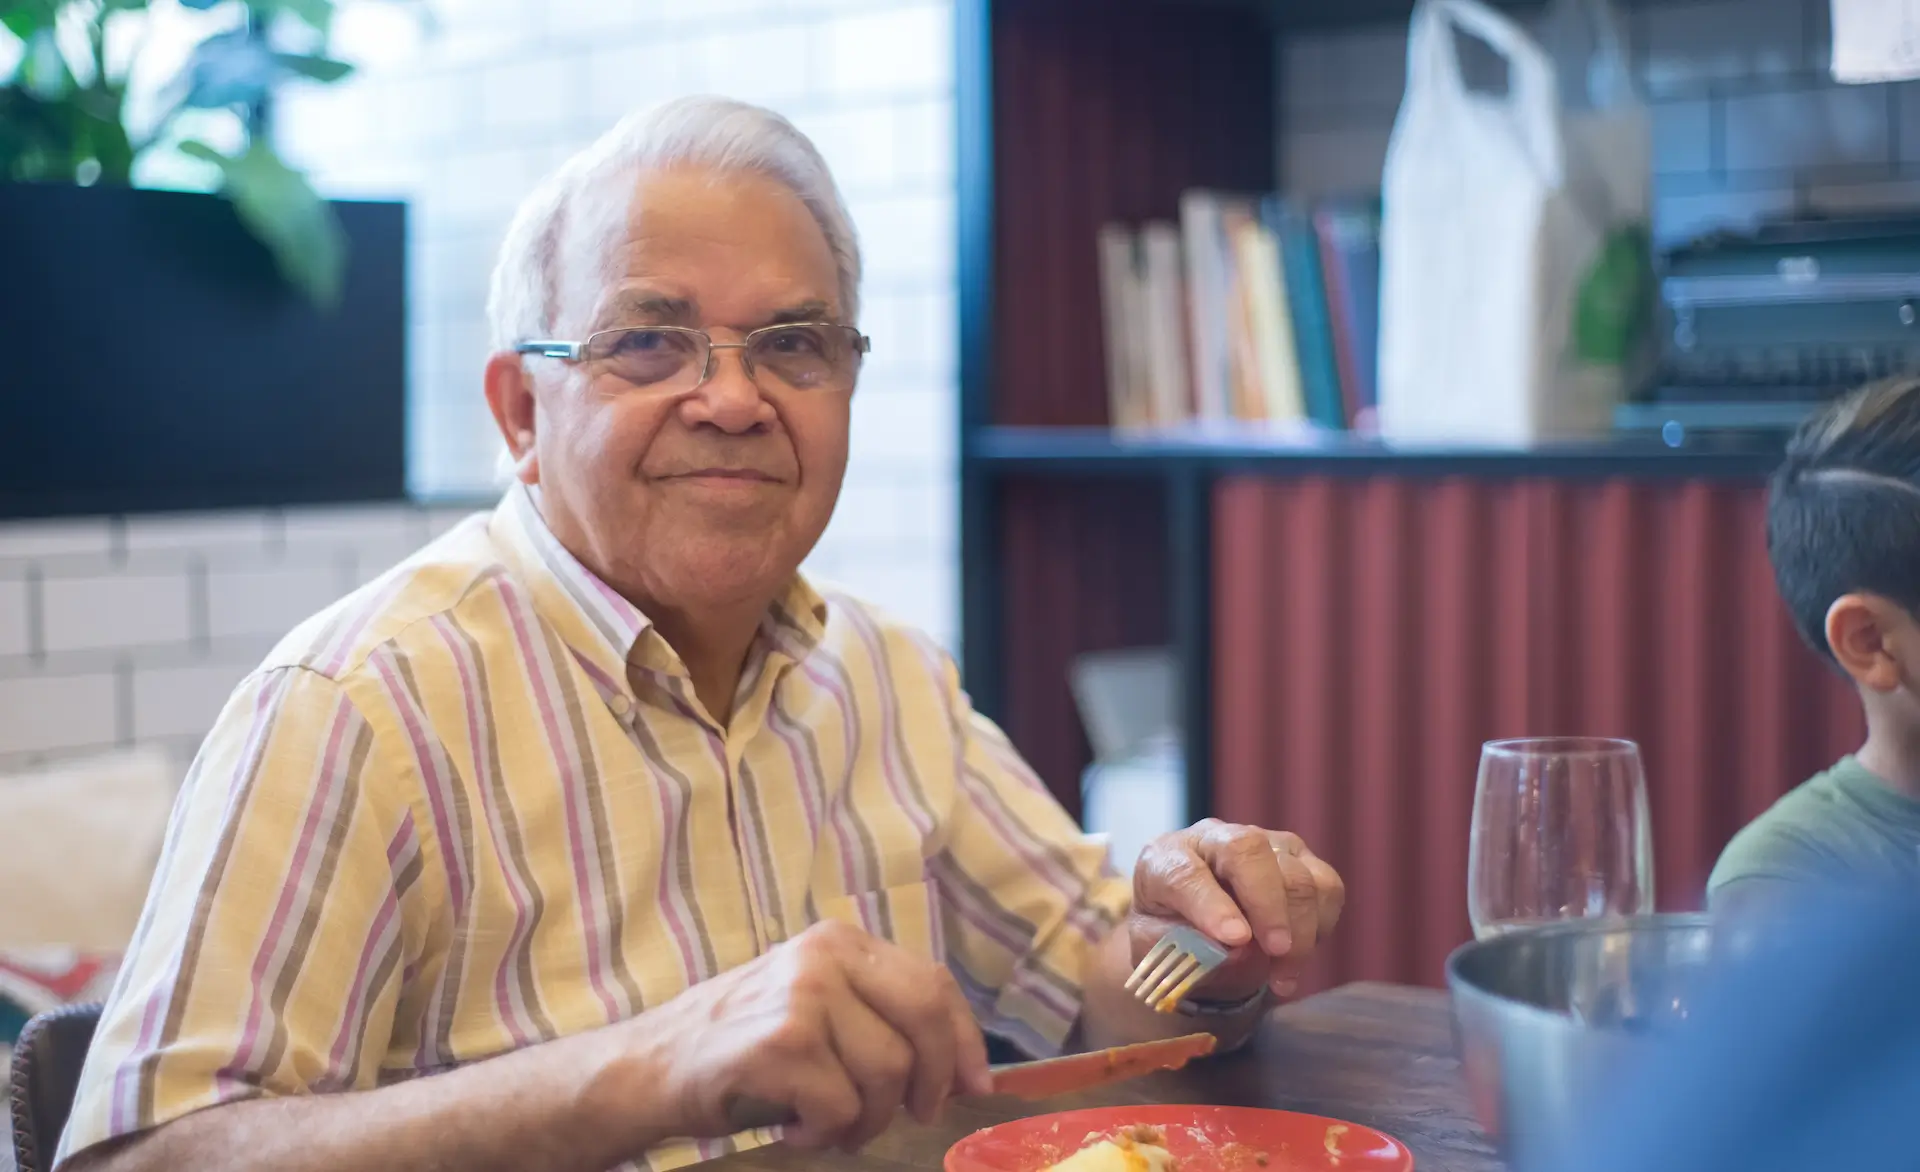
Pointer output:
1349, 233
1270, 320
1122, 315
1306, 292
1246, 393
1209, 291
1163, 328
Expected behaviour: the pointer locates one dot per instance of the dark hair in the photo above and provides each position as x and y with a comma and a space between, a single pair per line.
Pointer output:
1843, 511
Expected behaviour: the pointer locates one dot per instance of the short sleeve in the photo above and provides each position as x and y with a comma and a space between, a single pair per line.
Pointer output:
1772, 849
265, 961
1025, 895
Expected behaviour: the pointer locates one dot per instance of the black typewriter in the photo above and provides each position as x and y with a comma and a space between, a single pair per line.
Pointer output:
1759, 328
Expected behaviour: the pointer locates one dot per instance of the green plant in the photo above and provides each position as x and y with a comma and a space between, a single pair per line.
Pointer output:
63, 112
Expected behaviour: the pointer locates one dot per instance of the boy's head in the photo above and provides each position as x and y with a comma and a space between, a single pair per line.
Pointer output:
1843, 530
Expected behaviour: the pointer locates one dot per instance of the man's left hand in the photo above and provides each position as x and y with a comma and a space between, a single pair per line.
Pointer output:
1261, 893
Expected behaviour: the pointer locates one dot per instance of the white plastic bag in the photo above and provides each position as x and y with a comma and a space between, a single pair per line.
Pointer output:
1515, 275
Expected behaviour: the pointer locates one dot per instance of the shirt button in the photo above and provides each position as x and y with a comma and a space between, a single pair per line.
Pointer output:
621, 705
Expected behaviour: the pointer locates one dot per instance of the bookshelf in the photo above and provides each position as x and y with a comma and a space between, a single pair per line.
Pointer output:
1350, 619
1075, 451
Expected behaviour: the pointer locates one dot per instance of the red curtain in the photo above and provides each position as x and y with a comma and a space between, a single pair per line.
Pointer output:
1371, 633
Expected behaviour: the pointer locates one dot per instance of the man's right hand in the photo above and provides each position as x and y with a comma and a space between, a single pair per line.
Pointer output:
841, 1026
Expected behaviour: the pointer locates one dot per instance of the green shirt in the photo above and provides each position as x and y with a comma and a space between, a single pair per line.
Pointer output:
1844, 826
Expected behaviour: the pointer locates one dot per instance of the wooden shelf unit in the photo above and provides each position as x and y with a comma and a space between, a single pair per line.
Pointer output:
1293, 577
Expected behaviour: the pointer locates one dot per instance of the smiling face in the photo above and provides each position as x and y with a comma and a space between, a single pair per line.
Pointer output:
705, 498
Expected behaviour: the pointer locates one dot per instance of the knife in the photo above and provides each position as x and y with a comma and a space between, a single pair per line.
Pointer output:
1081, 1072
1031, 1080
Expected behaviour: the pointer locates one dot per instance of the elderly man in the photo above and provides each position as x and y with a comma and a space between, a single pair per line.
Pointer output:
594, 819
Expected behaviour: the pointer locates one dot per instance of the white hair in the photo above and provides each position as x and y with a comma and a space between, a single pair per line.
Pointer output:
595, 186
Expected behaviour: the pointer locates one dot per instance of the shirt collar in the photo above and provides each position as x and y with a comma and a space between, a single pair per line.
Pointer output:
597, 621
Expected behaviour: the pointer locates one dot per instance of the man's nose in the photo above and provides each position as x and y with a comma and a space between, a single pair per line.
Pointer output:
729, 398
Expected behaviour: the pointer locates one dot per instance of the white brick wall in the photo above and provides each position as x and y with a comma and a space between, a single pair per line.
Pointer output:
32, 539
1684, 47
91, 610
1747, 123
16, 638
180, 702
268, 602
62, 712
892, 48
196, 531
132, 631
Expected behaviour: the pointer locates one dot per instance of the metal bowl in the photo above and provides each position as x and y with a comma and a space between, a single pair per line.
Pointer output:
1542, 1016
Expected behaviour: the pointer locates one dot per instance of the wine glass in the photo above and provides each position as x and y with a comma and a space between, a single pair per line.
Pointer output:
1560, 832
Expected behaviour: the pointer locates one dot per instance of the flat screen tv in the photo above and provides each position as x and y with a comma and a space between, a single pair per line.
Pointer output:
152, 359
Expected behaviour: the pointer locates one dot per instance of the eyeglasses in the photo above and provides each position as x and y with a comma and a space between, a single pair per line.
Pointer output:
806, 356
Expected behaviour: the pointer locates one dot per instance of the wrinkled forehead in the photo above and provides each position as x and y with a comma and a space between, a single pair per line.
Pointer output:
608, 217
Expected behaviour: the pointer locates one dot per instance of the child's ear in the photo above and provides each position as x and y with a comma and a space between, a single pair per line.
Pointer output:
1861, 631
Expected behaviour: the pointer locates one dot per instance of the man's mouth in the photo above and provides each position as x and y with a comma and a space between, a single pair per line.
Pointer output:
751, 475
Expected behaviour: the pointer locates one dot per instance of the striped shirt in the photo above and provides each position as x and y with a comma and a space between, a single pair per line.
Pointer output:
477, 805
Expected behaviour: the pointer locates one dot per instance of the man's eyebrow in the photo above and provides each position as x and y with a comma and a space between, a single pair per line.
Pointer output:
805, 311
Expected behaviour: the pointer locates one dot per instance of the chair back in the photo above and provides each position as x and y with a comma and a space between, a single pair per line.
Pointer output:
46, 1075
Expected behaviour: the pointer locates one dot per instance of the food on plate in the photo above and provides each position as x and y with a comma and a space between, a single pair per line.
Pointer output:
1332, 1140
1236, 1157
1137, 1149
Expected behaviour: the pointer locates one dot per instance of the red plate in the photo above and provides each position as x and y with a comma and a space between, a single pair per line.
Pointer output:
1203, 1139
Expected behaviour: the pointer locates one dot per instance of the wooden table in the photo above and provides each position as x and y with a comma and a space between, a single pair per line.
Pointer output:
1381, 1055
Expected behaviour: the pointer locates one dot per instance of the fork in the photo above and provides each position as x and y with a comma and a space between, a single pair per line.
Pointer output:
1179, 961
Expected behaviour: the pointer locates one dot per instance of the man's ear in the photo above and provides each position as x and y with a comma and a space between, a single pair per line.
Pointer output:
1860, 633
510, 395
